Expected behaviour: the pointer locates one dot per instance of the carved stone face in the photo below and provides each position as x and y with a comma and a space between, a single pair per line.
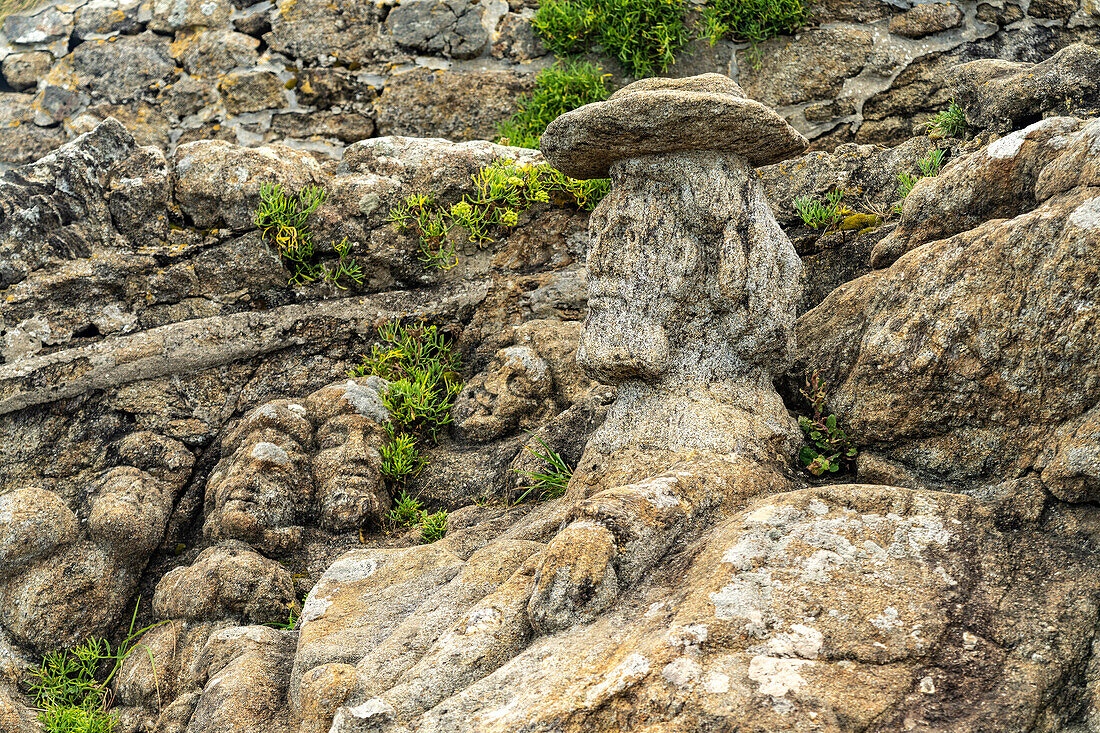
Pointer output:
288, 461
689, 276
63, 579
347, 471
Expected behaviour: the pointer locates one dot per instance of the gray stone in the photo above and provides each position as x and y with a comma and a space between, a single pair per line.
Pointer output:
23, 70
455, 105
252, 91
656, 116
998, 95
926, 19
41, 28
174, 15
449, 27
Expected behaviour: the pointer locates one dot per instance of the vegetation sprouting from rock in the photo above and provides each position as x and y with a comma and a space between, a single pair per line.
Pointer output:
643, 35
558, 89
950, 122
548, 483
828, 448
818, 214
753, 20
929, 167
71, 688
422, 370
502, 192
282, 220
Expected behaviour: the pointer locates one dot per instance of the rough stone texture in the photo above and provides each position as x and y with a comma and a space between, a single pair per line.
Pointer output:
1000, 95
687, 580
251, 91
227, 581
984, 381
813, 69
23, 70
924, 20
655, 116
450, 28
467, 106
288, 461
865, 71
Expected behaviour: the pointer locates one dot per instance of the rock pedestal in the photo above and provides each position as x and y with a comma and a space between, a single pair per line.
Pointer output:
692, 285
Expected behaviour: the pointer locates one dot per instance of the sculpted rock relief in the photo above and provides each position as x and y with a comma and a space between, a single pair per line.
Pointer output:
687, 579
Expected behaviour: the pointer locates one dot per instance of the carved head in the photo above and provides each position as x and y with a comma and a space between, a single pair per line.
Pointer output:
287, 461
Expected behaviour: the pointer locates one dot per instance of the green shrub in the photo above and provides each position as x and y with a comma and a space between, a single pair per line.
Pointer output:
71, 690
930, 164
400, 458
503, 191
552, 481
950, 122
929, 167
433, 526
644, 35
407, 511
753, 20
423, 374
817, 214
281, 219
829, 448
561, 88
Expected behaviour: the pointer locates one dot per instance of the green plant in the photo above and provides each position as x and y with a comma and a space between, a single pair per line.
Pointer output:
433, 526
70, 688
929, 167
816, 214
291, 620
422, 370
423, 374
930, 164
753, 20
644, 35
550, 483
829, 447
400, 458
281, 219
950, 122
558, 89
407, 511
502, 191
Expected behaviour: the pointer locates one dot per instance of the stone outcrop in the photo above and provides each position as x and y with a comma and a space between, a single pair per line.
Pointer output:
176, 421
320, 76
984, 381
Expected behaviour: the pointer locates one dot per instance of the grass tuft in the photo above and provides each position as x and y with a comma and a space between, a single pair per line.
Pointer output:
71, 687
754, 21
644, 35
561, 88
549, 483
950, 122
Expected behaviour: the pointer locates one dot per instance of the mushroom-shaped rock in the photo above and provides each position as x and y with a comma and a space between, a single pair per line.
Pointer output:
692, 288
651, 116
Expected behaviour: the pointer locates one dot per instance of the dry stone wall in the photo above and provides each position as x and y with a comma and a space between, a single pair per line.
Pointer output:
320, 76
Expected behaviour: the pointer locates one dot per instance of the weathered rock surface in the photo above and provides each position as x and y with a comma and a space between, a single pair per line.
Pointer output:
174, 416
1003, 95
183, 70
986, 380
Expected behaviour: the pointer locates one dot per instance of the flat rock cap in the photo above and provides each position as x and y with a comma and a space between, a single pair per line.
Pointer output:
706, 112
